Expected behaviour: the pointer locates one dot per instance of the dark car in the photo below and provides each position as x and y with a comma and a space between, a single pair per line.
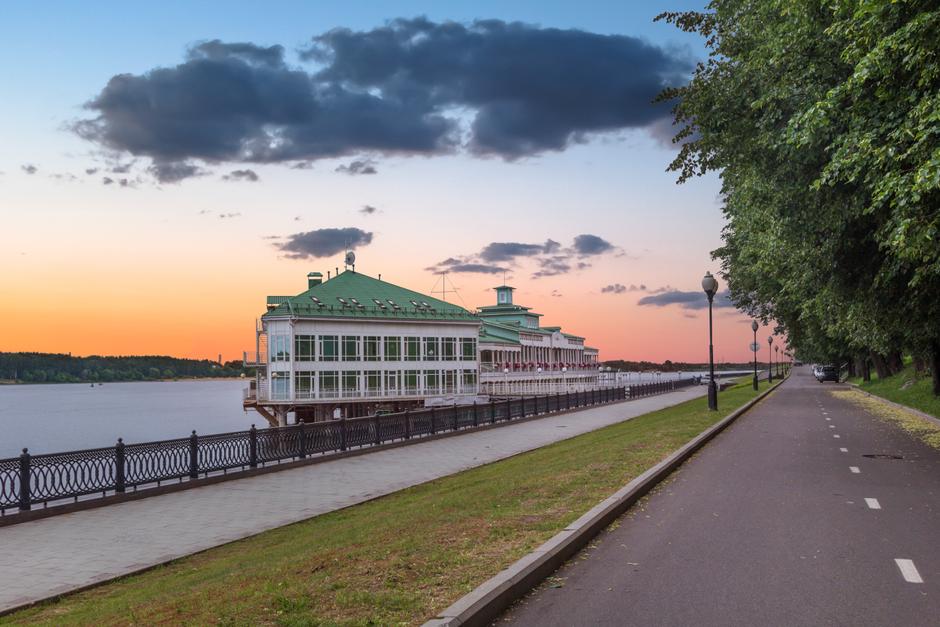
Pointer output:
828, 373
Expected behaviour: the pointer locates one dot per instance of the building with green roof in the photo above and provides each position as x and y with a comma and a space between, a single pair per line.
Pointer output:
354, 344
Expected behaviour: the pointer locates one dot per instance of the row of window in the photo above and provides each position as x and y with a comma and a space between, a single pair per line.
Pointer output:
346, 383
372, 348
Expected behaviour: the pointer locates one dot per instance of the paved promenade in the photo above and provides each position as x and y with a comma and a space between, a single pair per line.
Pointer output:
783, 519
55, 555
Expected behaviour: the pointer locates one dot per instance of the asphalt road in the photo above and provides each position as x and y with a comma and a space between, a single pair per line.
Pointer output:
781, 520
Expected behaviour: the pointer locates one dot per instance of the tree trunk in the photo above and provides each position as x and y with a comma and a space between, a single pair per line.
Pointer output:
920, 364
866, 370
881, 366
895, 362
853, 366
935, 366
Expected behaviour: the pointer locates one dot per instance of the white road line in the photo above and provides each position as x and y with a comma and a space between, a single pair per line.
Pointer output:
872, 503
909, 571
828, 418
844, 450
832, 426
854, 470
836, 435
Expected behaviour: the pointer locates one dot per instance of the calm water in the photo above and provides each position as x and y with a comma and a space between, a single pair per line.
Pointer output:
69, 416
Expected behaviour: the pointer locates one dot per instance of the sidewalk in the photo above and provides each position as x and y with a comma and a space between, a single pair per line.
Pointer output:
51, 556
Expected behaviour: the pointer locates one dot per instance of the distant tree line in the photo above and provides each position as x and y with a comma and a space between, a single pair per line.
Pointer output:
669, 366
61, 368
823, 122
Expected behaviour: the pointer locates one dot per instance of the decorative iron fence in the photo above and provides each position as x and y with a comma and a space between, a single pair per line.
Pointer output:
28, 480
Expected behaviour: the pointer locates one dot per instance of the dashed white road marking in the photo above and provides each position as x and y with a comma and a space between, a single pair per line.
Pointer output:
872, 503
854, 470
832, 426
836, 435
844, 450
909, 571
828, 418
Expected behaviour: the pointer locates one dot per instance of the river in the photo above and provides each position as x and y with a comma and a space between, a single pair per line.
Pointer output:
69, 416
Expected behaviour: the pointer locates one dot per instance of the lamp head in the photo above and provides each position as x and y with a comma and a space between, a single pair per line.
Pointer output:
770, 339
754, 326
710, 285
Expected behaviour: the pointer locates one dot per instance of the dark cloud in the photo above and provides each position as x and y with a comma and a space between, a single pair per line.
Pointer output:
107, 180
90, 171
508, 251
617, 288
242, 175
302, 165
174, 171
589, 245
122, 168
556, 294
323, 242
686, 300
404, 88
368, 210
229, 215
122, 182
452, 264
552, 266
29, 168
358, 167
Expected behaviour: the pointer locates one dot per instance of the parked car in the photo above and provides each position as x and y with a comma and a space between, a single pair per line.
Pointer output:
828, 373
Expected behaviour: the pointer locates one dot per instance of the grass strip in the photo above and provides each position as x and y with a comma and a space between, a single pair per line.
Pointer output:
906, 387
399, 559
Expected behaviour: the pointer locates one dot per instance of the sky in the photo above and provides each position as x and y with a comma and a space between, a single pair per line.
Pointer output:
166, 166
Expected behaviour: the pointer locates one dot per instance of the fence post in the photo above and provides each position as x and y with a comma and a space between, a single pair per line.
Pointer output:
476, 416
302, 447
492, 412
433, 420
407, 424
194, 456
567, 399
342, 433
25, 496
509, 408
119, 466
378, 437
253, 447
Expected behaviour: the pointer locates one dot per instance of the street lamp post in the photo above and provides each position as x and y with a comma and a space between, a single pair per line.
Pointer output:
770, 358
755, 347
710, 285
777, 351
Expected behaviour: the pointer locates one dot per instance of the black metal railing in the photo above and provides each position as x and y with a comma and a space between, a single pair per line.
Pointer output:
28, 480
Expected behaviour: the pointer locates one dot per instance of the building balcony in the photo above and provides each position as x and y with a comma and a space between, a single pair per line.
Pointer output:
252, 359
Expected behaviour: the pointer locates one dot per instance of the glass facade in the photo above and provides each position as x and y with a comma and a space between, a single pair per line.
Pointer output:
279, 347
392, 348
370, 348
329, 348
305, 347
412, 348
350, 348
432, 351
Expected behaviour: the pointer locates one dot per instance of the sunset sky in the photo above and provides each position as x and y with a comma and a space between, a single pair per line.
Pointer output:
166, 166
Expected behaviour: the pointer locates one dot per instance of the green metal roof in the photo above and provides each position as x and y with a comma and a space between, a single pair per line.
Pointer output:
353, 287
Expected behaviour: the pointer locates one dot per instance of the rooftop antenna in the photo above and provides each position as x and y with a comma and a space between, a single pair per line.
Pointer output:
350, 259
444, 291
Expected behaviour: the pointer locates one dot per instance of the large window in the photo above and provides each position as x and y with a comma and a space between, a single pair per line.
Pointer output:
280, 386
329, 384
304, 384
432, 351
370, 348
280, 347
450, 381
469, 381
468, 349
392, 382
412, 348
373, 380
411, 381
329, 348
350, 383
449, 348
393, 348
432, 382
304, 347
350, 348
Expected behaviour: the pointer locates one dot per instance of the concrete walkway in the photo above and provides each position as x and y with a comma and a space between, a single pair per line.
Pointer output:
51, 556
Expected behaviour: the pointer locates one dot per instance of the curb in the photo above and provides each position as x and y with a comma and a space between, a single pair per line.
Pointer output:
916, 412
485, 603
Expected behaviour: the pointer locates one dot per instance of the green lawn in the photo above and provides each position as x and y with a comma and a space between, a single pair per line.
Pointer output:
397, 559
905, 388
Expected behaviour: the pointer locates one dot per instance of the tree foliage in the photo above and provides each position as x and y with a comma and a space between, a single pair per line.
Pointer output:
823, 120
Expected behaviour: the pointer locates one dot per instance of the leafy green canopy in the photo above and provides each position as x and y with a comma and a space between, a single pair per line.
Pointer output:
823, 120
